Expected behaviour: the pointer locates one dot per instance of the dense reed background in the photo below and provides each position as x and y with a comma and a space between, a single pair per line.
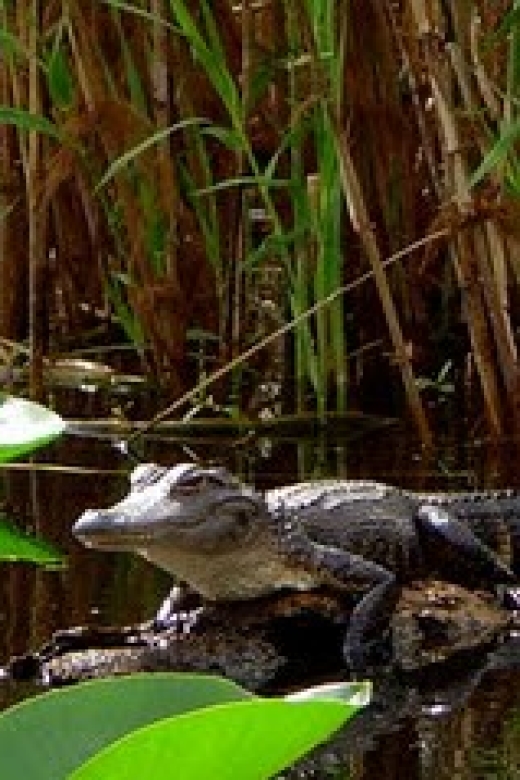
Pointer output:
184, 177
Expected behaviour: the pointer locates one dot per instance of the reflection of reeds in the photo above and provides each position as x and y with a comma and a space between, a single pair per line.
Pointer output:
315, 109
497, 757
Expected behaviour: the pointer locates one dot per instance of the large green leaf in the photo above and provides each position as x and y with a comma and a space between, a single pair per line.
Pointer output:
48, 736
220, 730
25, 426
15, 545
250, 740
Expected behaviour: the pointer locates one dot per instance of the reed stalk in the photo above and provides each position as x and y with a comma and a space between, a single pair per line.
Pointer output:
479, 254
12, 269
214, 377
36, 219
316, 65
362, 225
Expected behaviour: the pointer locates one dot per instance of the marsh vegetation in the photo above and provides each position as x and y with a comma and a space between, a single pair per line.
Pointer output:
180, 180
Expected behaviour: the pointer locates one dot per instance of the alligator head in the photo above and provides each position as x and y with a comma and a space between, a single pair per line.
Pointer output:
199, 524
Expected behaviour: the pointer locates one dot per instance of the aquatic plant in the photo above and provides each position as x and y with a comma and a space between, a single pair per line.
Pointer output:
24, 427
168, 725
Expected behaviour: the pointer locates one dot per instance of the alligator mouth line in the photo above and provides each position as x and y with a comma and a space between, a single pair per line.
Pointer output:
123, 535
113, 541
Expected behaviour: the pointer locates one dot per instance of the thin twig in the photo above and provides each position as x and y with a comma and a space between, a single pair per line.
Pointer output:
62, 468
216, 375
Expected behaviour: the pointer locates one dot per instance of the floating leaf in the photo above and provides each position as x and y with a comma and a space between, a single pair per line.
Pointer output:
25, 426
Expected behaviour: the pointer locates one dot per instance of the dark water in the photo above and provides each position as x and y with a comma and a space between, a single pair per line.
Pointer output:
457, 727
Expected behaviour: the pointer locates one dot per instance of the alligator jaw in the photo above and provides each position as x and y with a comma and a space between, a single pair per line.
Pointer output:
103, 531
257, 570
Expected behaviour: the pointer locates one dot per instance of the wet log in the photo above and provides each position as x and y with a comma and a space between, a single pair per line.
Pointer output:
275, 643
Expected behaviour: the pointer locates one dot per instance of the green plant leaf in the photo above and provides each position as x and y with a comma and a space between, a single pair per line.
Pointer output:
217, 730
241, 181
226, 135
9, 43
15, 545
50, 735
131, 154
498, 153
507, 24
127, 317
135, 83
25, 426
210, 54
222, 741
133, 9
59, 78
24, 120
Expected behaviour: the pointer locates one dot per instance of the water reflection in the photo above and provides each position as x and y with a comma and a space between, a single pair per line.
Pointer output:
469, 731
501, 759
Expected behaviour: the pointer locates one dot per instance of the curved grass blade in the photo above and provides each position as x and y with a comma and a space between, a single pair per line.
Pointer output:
143, 14
156, 138
497, 155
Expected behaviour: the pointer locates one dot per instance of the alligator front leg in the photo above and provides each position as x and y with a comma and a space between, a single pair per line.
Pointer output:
369, 626
450, 547
370, 619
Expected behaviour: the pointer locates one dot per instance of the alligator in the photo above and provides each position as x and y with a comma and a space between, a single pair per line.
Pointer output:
229, 542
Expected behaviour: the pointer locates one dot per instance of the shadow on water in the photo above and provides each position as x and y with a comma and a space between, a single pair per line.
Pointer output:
464, 726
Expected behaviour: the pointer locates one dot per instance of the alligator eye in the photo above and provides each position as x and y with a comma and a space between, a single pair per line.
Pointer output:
197, 483
189, 485
146, 474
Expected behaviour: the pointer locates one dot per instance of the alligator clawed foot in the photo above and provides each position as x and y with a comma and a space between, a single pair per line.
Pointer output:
180, 623
162, 625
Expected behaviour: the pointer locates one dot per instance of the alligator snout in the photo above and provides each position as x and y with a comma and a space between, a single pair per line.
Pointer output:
95, 528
